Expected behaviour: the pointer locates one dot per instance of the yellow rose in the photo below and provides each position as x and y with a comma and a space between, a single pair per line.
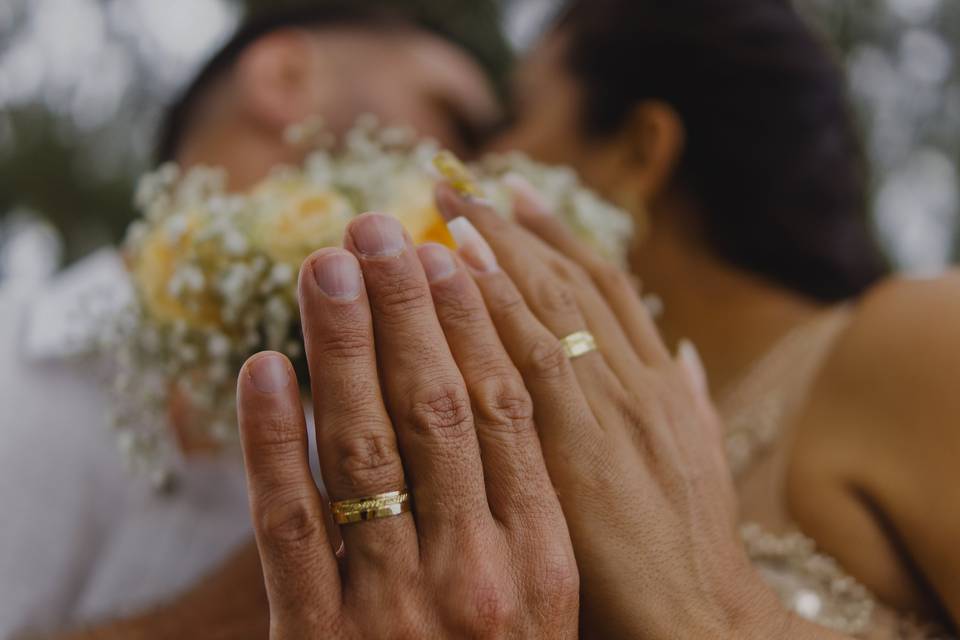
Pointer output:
295, 218
165, 249
411, 201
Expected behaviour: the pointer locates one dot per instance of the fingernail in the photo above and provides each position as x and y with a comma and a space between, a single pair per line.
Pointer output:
473, 248
437, 262
689, 358
338, 275
269, 373
478, 201
449, 202
527, 194
377, 235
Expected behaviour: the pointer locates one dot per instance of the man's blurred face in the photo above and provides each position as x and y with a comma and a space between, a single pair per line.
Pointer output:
406, 77
401, 75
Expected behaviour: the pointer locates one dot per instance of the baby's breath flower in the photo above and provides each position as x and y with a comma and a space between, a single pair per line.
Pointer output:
215, 272
281, 274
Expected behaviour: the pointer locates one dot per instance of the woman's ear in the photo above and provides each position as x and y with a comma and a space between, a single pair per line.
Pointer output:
276, 78
652, 142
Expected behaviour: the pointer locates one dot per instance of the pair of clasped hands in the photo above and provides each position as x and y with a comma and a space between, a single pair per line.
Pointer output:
549, 495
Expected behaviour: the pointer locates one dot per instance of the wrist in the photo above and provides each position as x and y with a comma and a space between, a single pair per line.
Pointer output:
754, 612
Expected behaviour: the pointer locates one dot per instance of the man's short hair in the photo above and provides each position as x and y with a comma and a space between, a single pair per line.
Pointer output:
492, 53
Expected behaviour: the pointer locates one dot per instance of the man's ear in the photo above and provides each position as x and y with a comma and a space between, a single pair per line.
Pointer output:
276, 79
652, 143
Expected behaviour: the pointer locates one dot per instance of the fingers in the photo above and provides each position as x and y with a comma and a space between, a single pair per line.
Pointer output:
554, 301
287, 512
688, 358
616, 287
518, 487
356, 443
562, 413
425, 392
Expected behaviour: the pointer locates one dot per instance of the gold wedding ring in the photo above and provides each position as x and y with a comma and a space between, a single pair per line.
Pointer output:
382, 505
578, 344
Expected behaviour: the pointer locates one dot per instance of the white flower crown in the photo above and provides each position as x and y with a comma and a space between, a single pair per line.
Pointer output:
215, 272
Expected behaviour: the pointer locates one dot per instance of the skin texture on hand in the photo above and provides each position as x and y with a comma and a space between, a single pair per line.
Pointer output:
439, 372
484, 550
628, 431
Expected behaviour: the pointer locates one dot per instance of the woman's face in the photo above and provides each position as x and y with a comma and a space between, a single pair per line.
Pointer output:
547, 118
631, 167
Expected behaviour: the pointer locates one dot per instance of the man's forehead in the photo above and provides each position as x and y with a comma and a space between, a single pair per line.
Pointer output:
408, 42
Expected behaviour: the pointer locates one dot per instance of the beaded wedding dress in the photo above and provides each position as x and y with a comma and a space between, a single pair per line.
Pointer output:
759, 411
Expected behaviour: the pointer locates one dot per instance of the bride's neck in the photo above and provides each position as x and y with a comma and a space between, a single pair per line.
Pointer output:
731, 315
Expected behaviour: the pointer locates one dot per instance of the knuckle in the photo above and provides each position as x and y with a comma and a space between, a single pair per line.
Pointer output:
406, 619
442, 409
645, 419
489, 612
279, 431
558, 581
458, 310
503, 404
288, 517
556, 298
368, 461
493, 615
638, 411
547, 360
598, 473
568, 270
403, 296
347, 343
633, 409
506, 302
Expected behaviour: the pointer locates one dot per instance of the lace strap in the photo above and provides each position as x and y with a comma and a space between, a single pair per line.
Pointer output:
757, 407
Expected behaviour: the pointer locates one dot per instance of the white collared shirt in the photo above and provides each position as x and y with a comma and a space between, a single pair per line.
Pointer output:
81, 538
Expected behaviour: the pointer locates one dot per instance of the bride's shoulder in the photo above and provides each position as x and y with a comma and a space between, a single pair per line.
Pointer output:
878, 441
890, 382
904, 299
904, 330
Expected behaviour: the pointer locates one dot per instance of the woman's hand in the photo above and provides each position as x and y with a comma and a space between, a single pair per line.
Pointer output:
484, 551
630, 439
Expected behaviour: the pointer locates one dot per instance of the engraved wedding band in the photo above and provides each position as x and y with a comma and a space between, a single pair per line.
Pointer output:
578, 344
382, 505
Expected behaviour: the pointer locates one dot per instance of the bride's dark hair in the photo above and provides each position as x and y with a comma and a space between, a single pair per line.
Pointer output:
772, 153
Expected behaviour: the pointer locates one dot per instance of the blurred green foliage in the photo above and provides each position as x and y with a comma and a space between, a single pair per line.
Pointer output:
44, 174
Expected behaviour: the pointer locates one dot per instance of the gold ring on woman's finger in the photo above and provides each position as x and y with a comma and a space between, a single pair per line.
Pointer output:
578, 344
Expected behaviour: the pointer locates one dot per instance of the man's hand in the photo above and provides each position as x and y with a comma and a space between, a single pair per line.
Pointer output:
484, 550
